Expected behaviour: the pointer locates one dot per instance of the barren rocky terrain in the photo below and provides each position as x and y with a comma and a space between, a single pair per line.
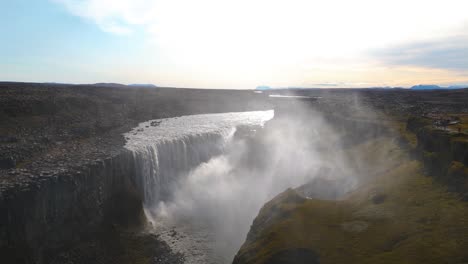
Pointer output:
66, 193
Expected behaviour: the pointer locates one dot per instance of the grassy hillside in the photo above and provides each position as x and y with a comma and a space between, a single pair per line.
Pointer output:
399, 216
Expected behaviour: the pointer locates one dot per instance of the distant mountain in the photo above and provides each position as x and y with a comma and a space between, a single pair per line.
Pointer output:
263, 88
148, 85
458, 86
56, 83
109, 85
416, 87
436, 87
426, 87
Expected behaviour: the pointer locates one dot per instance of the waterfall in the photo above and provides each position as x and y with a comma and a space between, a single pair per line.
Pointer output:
159, 165
166, 149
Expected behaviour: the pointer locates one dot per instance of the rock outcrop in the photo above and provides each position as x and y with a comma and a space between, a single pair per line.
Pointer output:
444, 153
399, 216
52, 211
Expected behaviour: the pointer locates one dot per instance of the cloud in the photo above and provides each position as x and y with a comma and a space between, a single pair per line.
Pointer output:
113, 16
251, 35
284, 43
447, 53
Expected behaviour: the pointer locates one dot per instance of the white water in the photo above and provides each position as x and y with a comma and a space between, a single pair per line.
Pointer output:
165, 151
203, 187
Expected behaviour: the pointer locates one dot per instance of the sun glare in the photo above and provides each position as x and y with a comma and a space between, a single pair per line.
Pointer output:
261, 37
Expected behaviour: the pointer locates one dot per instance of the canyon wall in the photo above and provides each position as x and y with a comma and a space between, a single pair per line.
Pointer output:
444, 153
54, 211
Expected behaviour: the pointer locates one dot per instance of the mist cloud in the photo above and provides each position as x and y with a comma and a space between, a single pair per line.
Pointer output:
226, 193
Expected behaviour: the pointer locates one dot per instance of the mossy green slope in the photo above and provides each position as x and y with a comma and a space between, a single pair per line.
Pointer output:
400, 216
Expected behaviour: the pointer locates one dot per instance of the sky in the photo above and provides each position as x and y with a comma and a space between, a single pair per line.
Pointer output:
237, 44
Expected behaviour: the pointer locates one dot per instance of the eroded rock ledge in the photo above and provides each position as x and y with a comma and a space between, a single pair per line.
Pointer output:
57, 208
64, 174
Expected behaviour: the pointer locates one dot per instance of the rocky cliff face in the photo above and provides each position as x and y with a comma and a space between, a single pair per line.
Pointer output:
54, 211
444, 153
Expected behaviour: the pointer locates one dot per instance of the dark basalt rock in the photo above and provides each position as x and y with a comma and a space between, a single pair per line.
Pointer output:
49, 212
112, 246
378, 198
8, 139
155, 123
7, 163
294, 256
440, 150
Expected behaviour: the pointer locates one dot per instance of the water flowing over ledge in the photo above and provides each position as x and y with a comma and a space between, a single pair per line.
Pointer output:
164, 149
155, 131
77, 202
